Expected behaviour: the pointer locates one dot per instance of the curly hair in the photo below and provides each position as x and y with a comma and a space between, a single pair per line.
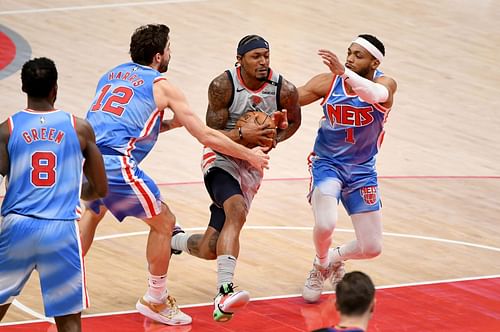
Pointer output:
38, 77
148, 40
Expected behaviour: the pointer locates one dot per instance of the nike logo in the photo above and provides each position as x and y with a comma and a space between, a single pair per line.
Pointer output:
239, 90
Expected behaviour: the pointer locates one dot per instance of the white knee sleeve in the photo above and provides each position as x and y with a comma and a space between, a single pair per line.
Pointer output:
325, 204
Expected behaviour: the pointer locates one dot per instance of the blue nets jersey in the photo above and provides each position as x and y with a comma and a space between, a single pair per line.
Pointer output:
351, 130
46, 163
123, 113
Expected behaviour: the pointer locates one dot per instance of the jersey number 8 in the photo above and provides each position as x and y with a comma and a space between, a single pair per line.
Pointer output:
43, 168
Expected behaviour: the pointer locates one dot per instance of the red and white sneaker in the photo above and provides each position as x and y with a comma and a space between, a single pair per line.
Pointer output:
227, 302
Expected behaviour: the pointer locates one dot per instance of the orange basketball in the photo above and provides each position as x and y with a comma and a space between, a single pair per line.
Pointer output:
258, 118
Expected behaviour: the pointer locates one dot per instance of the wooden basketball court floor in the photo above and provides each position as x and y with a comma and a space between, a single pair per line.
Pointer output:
440, 179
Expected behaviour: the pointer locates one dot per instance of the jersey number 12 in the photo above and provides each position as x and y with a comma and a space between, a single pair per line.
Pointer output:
115, 102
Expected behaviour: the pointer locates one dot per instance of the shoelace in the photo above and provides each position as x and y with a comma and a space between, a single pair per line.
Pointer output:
315, 278
172, 304
337, 272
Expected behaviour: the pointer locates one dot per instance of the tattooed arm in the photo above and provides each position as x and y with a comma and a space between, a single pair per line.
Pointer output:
219, 95
289, 100
219, 99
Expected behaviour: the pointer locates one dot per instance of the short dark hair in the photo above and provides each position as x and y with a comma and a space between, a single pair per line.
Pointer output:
354, 293
148, 40
38, 77
375, 42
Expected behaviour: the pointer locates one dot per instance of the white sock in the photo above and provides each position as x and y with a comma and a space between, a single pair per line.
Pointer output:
335, 255
322, 261
157, 290
226, 264
180, 242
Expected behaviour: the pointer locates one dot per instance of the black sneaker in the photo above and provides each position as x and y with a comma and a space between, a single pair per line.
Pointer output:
177, 230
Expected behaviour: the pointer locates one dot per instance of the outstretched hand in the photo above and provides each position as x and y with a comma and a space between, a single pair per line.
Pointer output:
332, 61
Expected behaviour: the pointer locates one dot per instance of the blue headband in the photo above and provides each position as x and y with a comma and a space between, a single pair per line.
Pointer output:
252, 45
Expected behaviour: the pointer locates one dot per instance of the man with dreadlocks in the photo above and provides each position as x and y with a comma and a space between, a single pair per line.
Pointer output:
356, 99
232, 183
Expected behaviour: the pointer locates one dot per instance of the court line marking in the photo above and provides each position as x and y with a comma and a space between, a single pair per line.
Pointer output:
103, 6
32, 312
282, 228
421, 283
308, 228
391, 177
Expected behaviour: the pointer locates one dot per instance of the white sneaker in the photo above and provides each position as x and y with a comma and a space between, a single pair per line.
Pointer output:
338, 272
166, 313
314, 283
227, 302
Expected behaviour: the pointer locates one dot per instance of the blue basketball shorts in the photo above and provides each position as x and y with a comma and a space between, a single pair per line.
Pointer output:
131, 192
52, 247
360, 192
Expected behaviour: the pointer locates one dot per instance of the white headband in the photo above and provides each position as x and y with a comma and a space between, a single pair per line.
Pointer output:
370, 48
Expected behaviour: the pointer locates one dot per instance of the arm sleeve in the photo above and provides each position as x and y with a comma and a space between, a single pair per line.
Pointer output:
369, 91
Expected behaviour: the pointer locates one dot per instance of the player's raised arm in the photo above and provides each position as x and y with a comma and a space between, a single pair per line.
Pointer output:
316, 88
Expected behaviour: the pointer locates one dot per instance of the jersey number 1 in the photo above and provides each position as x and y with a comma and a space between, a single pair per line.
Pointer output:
120, 96
349, 135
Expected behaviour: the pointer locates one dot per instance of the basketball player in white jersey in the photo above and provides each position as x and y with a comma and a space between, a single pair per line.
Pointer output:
231, 182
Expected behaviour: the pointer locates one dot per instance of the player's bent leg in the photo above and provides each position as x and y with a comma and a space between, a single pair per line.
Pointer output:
88, 225
324, 200
204, 245
227, 301
158, 245
156, 303
368, 228
201, 245
229, 238
368, 242
69, 323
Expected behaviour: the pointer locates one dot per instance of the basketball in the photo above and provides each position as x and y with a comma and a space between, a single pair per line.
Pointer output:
255, 118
